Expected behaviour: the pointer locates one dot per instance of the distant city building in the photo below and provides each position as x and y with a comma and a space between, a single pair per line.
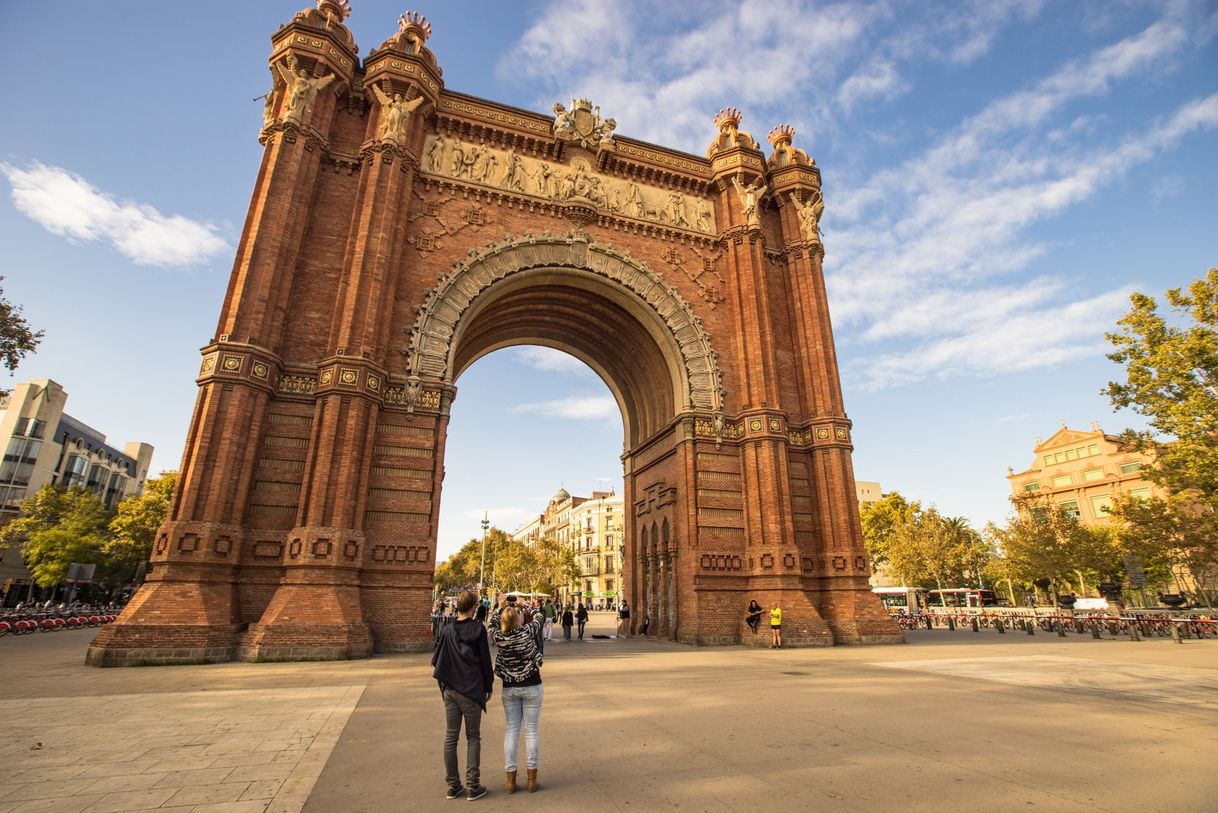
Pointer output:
43, 444
866, 492
598, 538
593, 527
1082, 472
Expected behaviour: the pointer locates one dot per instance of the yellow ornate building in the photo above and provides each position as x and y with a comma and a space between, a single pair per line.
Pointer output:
1082, 472
592, 527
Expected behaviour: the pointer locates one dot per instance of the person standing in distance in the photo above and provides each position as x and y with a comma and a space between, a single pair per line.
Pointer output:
551, 613
462, 662
581, 618
776, 626
518, 665
623, 620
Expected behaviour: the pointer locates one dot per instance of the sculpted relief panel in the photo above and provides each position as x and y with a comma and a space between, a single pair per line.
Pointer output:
447, 157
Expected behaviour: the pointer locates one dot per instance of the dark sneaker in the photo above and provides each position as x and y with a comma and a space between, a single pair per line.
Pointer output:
454, 793
475, 792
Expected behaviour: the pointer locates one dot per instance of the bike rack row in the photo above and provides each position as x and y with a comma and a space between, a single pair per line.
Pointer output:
1135, 627
27, 626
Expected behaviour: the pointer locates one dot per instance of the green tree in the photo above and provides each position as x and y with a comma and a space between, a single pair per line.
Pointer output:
927, 549
880, 520
556, 566
1035, 542
1173, 532
464, 567
16, 338
516, 567
1171, 372
135, 524
58, 527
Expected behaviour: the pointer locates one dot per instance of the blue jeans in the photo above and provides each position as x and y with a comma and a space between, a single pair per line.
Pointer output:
522, 702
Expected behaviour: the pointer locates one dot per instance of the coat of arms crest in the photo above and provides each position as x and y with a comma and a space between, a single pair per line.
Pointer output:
582, 124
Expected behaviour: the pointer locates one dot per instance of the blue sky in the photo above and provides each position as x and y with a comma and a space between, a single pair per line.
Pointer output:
998, 178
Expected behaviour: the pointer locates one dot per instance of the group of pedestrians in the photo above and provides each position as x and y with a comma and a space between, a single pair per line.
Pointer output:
462, 662
569, 617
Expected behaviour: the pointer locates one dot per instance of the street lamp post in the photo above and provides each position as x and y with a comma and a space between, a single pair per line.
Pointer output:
486, 524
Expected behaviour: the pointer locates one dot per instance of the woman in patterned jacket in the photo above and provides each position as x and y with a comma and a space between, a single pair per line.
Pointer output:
518, 665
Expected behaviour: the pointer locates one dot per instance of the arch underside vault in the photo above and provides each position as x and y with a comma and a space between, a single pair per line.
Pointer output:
587, 299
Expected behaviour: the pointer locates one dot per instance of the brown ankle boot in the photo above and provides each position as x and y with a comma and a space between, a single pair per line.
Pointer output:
511, 782
532, 786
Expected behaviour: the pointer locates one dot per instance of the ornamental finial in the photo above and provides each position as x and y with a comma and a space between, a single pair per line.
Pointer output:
728, 117
781, 136
415, 26
334, 9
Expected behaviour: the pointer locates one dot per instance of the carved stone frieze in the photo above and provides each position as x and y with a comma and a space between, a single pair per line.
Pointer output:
431, 343
446, 157
296, 384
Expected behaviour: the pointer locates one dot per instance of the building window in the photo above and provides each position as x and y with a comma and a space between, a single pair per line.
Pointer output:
1032, 486
1091, 475
1048, 460
1140, 493
1094, 448
608, 564
1101, 505
1130, 468
1061, 480
1070, 509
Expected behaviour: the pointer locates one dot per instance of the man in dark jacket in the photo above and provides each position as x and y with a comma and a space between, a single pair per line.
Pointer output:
462, 662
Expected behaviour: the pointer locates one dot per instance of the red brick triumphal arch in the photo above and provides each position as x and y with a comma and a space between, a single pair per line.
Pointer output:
397, 232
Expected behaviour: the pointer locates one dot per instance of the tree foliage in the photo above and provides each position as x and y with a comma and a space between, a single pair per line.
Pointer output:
920, 546
510, 565
16, 338
58, 527
463, 568
880, 520
1171, 378
135, 524
1042, 541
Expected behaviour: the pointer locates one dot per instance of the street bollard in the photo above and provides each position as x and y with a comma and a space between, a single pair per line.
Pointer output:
975, 625
998, 625
1175, 633
1095, 631
1135, 634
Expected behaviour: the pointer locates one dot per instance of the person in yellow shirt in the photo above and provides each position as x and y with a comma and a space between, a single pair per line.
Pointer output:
776, 627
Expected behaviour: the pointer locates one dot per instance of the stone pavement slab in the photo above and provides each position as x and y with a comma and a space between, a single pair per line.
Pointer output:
953, 720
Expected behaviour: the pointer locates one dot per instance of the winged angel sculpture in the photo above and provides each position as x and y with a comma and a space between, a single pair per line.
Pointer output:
302, 89
809, 215
394, 114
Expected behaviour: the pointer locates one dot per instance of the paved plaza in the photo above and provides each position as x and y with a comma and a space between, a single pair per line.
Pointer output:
954, 720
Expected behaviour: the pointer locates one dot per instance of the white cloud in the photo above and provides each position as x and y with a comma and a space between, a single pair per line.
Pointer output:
575, 407
1045, 337
546, 358
919, 245
66, 204
877, 80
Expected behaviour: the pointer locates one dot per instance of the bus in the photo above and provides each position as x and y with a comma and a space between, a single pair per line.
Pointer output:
961, 597
901, 600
